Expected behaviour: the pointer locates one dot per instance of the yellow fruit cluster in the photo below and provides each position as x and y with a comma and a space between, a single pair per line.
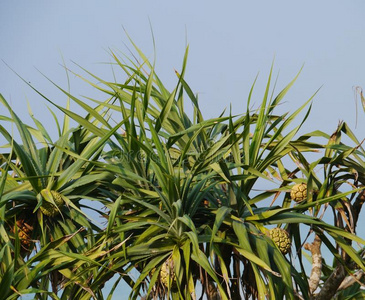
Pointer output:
281, 239
167, 273
24, 233
298, 192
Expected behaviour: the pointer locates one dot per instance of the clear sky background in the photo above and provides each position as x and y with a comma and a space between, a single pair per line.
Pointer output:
230, 43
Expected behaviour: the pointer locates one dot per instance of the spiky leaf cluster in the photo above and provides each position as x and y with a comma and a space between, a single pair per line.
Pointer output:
174, 191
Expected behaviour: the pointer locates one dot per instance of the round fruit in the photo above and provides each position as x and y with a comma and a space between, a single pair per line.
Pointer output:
281, 239
298, 192
48, 208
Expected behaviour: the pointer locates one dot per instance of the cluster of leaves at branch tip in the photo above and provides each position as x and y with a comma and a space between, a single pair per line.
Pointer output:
298, 192
281, 239
48, 208
180, 195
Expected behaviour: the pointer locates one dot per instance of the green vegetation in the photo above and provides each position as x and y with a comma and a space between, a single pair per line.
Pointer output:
181, 198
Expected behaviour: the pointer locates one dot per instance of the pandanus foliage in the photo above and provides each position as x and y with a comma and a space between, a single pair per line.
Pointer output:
189, 206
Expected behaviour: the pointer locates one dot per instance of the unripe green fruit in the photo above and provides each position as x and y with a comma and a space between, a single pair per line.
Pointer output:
48, 208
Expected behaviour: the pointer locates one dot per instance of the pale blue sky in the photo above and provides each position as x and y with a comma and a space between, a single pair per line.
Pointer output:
230, 42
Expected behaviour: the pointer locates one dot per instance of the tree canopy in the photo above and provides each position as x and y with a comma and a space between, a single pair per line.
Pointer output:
183, 200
